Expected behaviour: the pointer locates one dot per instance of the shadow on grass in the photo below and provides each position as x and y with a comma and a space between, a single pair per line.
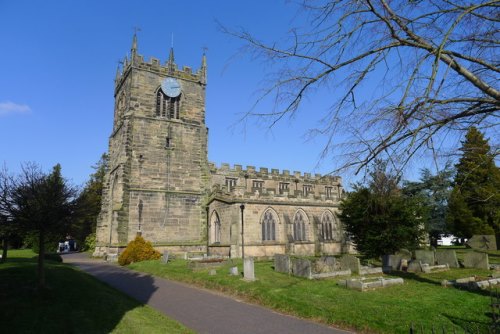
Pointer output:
419, 278
470, 326
73, 302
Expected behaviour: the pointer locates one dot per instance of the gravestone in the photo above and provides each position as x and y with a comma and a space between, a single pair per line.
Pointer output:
212, 272
233, 271
425, 256
165, 257
414, 267
482, 242
447, 256
476, 260
404, 254
302, 268
325, 264
350, 262
282, 263
390, 262
248, 269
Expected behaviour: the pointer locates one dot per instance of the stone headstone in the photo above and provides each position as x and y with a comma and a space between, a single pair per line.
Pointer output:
350, 262
447, 256
482, 242
233, 271
248, 269
390, 262
325, 264
414, 267
282, 263
476, 260
404, 254
165, 257
425, 256
212, 272
302, 268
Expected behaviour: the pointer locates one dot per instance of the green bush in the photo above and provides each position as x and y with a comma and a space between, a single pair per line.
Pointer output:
138, 250
89, 243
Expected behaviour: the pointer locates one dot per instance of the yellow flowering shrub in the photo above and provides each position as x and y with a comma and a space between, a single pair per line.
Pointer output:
138, 250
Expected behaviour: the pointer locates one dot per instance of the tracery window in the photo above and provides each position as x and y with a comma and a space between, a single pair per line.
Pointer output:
167, 106
299, 227
268, 226
327, 226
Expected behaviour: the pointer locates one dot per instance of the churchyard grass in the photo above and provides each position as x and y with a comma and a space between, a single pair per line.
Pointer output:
73, 302
421, 300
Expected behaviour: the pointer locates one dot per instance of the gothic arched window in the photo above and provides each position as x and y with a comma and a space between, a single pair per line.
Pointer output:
268, 226
299, 227
327, 226
215, 228
167, 106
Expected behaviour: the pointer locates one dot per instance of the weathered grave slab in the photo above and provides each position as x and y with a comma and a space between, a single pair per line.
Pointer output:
302, 268
332, 274
482, 242
390, 262
414, 266
472, 283
212, 272
370, 270
248, 269
447, 256
325, 264
425, 256
165, 256
350, 262
233, 271
364, 284
282, 263
433, 269
476, 260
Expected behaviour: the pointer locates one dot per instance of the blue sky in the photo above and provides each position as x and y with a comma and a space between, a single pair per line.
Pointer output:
59, 60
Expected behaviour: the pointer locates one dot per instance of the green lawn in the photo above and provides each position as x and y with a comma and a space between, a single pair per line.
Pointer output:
74, 302
421, 300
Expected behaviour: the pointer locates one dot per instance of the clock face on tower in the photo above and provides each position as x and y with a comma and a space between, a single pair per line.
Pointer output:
171, 87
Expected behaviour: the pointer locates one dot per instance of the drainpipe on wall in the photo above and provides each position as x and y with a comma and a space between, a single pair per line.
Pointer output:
242, 207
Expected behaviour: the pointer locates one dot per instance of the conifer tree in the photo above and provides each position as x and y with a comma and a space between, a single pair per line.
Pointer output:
474, 206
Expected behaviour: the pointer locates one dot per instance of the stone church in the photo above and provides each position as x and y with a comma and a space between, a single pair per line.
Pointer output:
160, 183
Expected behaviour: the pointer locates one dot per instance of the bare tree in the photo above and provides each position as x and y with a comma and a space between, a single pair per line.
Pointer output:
404, 75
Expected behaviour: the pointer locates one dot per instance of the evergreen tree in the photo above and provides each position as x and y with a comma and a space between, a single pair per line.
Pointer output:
474, 206
42, 205
89, 202
379, 218
434, 192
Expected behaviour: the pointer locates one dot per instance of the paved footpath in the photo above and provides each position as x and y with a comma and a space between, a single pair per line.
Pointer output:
201, 310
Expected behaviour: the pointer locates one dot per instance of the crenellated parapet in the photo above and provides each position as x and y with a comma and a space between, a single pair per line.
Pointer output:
264, 182
168, 68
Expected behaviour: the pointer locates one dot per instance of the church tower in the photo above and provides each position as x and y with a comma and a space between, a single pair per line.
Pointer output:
157, 180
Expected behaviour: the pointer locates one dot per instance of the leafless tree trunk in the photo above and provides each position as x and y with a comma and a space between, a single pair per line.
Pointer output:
405, 76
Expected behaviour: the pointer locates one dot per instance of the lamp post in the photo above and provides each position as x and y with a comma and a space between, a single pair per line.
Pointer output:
242, 207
